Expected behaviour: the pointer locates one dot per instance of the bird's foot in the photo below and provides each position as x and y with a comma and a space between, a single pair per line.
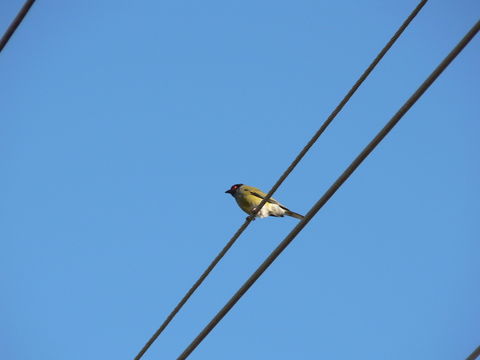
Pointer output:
252, 216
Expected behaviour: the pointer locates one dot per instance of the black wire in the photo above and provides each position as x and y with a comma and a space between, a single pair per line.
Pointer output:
342, 103
475, 354
192, 290
329, 193
282, 178
13, 26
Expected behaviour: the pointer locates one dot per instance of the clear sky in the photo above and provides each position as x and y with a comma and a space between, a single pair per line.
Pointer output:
123, 123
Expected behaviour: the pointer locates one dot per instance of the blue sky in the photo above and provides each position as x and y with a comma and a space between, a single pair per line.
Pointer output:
123, 123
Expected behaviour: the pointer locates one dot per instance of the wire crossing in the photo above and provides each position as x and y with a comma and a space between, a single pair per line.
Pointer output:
282, 178
13, 26
329, 193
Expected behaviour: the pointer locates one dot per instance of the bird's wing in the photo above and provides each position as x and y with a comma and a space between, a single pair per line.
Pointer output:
262, 195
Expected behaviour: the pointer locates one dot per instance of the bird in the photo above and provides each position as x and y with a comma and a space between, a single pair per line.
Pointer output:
249, 197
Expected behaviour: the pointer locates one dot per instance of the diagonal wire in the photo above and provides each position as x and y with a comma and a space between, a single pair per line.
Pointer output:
342, 103
475, 354
13, 26
282, 178
329, 193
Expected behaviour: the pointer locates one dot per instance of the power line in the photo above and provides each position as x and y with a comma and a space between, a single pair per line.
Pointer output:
342, 103
13, 26
329, 193
192, 289
475, 354
282, 178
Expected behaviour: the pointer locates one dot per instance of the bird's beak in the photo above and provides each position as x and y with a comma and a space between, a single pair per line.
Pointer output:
228, 192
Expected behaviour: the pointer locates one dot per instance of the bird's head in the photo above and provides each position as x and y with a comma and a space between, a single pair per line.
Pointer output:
233, 189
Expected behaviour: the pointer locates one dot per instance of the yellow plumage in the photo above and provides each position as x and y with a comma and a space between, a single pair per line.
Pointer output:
249, 197
247, 201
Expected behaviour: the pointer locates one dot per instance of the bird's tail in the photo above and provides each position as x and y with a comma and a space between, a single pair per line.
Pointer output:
294, 214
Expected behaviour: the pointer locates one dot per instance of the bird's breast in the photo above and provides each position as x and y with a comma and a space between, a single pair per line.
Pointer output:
247, 202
